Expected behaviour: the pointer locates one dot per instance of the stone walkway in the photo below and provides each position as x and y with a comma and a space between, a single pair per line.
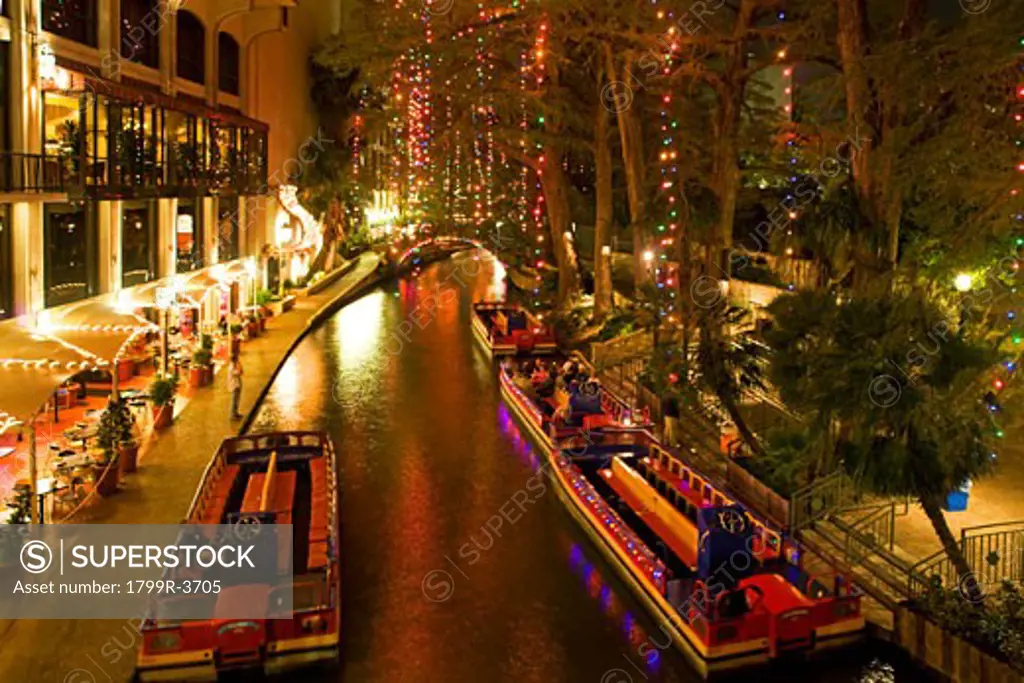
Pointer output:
159, 492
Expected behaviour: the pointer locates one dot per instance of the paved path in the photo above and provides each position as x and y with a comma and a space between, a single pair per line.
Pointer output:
171, 465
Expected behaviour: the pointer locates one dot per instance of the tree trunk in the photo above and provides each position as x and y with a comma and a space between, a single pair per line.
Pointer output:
603, 217
968, 582
556, 198
742, 427
630, 134
727, 178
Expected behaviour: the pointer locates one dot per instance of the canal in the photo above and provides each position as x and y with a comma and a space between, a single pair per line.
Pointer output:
435, 589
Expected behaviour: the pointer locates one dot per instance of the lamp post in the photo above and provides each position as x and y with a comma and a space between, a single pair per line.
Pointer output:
164, 300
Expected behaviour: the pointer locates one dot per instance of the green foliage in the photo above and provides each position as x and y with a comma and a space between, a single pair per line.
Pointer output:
919, 430
997, 627
202, 358
265, 296
162, 390
206, 342
115, 427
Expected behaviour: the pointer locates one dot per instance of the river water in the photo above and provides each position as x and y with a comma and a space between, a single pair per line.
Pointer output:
434, 588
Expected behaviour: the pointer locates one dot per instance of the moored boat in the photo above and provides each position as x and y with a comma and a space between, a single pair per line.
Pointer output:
273, 478
730, 590
507, 329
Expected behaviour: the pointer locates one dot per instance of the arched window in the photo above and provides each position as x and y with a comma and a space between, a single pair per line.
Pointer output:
191, 47
229, 59
140, 34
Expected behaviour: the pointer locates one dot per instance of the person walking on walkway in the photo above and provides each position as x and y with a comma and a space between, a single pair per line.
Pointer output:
235, 386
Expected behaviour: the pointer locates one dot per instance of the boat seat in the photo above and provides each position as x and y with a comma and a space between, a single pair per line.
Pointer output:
591, 422
317, 557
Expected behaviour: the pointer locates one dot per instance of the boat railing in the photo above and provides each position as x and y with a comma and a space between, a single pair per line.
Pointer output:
769, 538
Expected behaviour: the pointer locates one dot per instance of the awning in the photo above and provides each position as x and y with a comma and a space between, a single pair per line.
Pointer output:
98, 328
32, 367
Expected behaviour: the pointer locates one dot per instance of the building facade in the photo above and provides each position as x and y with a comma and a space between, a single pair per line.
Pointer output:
141, 139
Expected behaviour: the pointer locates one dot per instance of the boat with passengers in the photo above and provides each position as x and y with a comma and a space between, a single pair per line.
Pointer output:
270, 478
508, 329
730, 590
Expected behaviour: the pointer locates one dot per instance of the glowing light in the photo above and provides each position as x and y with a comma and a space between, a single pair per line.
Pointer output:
963, 282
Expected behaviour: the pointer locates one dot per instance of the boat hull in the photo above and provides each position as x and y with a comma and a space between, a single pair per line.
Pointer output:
706, 660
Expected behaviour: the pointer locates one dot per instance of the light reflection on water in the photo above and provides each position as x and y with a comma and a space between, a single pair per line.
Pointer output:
428, 456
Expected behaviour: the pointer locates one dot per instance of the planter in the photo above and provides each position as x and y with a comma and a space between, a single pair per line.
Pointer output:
254, 330
125, 370
163, 416
263, 324
236, 346
129, 457
107, 479
207, 375
196, 377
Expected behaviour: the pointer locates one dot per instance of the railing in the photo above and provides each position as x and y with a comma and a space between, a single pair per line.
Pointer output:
21, 172
756, 494
994, 553
818, 500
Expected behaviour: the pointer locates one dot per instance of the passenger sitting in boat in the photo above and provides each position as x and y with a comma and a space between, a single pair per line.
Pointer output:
540, 375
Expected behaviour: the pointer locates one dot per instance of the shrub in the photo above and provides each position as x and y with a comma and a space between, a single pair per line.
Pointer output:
996, 626
162, 390
115, 428
202, 358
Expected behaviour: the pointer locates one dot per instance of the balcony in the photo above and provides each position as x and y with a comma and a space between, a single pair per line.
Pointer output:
33, 173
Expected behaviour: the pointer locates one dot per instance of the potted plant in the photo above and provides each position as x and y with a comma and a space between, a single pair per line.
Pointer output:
162, 392
206, 344
236, 339
253, 326
201, 361
113, 432
261, 317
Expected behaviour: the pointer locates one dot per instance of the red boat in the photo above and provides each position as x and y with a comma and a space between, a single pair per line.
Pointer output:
731, 591
278, 478
507, 329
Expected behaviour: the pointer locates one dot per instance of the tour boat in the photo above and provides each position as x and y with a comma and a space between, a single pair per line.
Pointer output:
507, 329
731, 591
274, 478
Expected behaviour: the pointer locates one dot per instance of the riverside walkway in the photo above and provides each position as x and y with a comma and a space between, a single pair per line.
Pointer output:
171, 464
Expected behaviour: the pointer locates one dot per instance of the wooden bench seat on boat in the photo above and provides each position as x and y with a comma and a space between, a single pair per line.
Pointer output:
213, 508
319, 526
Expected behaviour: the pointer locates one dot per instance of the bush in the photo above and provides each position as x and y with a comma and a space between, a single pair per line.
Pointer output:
202, 358
115, 427
265, 296
162, 390
996, 626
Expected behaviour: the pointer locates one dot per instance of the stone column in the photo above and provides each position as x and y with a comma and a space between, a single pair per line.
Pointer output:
166, 240
109, 226
168, 46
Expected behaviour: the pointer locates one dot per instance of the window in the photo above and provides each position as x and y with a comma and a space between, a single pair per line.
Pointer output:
229, 61
191, 48
138, 243
227, 228
6, 264
141, 22
188, 235
72, 19
70, 253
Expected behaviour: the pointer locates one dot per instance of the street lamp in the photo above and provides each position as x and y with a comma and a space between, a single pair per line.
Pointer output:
963, 282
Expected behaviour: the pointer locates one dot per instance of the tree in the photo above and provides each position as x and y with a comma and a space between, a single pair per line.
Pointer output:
899, 386
728, 360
